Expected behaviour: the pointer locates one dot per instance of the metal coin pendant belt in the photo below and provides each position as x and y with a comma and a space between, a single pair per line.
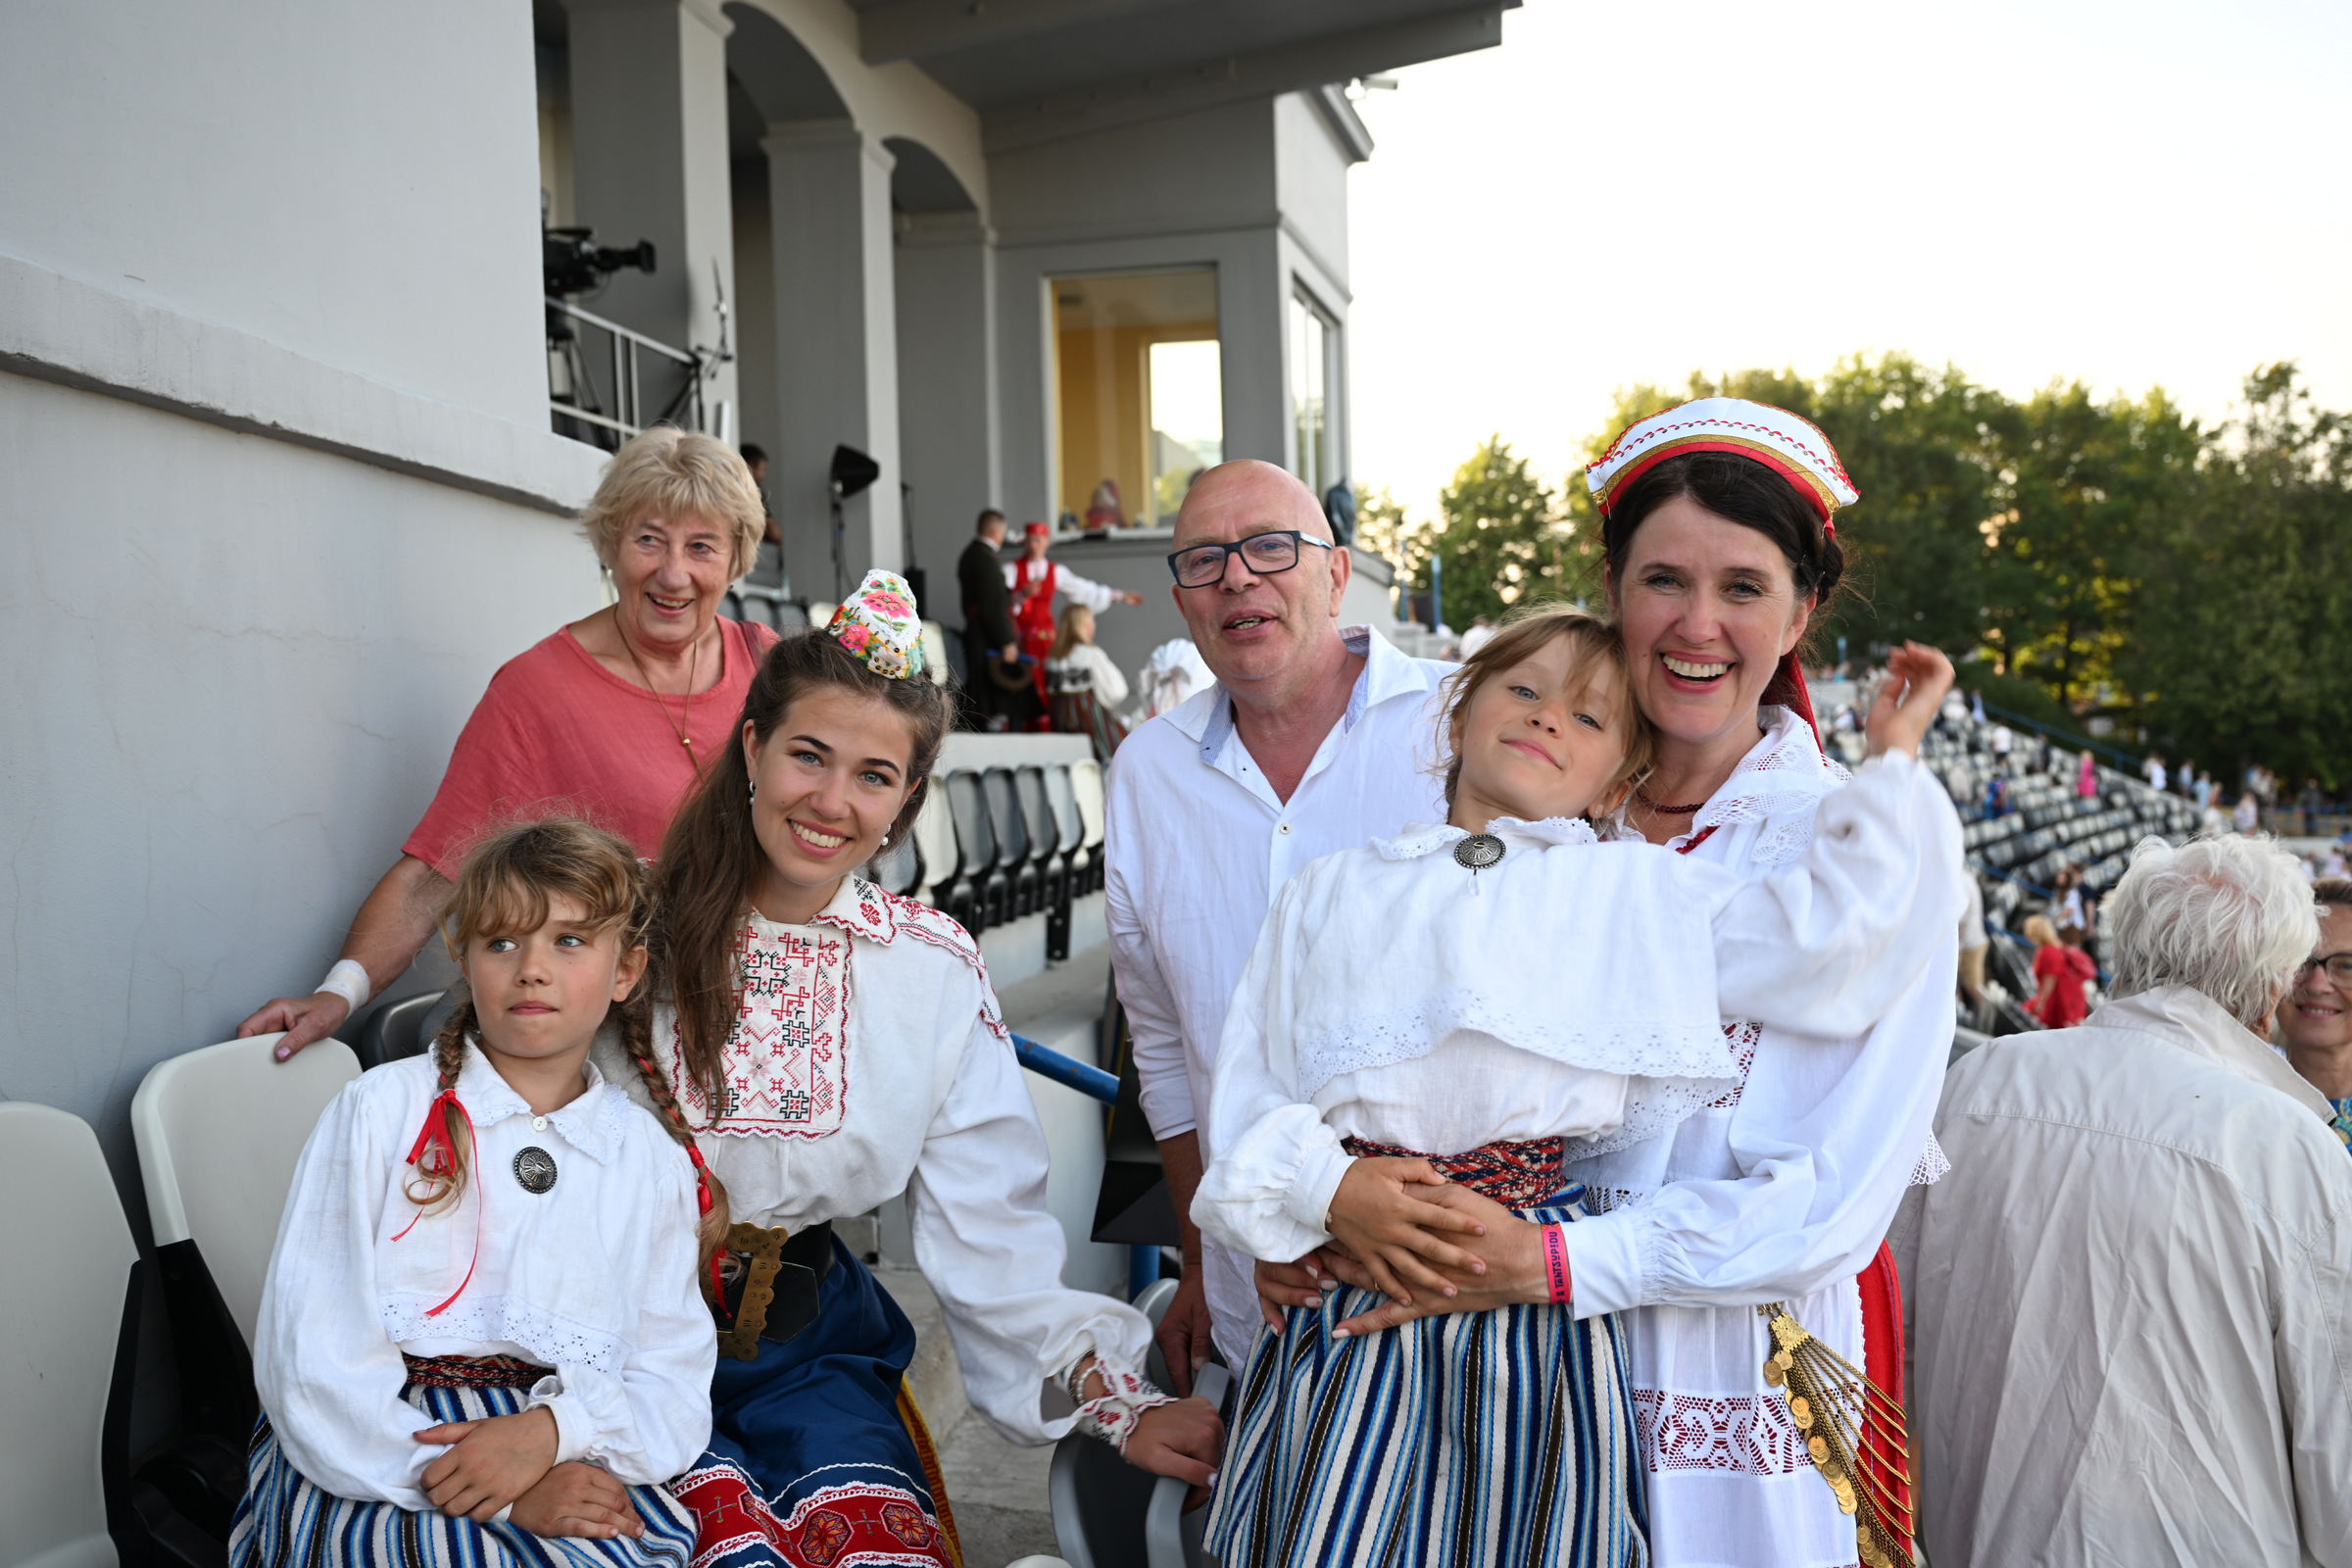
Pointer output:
770, 1278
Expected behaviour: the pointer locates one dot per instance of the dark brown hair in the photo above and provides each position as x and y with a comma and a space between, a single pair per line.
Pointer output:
1597, 646
2333, 891
1745, 492
711, 860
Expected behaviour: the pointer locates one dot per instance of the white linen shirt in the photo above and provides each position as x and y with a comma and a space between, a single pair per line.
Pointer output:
1780, 1191
2130, 1301
1574, 990
929, 1102
594, 1277
1197, 847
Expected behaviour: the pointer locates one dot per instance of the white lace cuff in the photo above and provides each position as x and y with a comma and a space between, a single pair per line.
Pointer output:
1113, 1416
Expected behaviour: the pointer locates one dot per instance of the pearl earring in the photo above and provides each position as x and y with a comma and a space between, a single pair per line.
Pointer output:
885, 844
753, 797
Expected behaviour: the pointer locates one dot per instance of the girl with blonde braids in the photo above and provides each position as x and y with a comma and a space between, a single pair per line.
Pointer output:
832, 1046
481, 1340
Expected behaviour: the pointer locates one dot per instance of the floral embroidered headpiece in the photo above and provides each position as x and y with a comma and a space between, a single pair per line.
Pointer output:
879, 624
1791, 447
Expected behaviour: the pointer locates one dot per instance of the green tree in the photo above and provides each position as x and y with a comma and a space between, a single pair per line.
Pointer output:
1500, 536
2241, 642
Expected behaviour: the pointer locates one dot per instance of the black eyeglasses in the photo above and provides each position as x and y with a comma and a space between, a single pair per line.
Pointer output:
2337, 965
1264, 554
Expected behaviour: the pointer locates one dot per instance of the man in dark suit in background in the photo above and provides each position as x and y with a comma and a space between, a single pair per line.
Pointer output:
997, 691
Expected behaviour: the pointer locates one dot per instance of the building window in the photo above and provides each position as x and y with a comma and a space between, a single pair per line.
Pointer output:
1139, 402
1314, 370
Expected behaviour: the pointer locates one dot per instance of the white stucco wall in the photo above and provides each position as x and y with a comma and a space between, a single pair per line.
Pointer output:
236, 668
358, 185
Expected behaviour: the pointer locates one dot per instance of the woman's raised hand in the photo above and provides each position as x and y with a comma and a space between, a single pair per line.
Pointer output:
1381, 1215
1917, 677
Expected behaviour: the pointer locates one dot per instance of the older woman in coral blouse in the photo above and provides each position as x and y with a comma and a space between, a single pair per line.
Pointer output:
613, 716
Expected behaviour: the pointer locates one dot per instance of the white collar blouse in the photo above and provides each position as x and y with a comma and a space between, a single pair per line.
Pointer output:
593, 1277
870, 1060
1576, 989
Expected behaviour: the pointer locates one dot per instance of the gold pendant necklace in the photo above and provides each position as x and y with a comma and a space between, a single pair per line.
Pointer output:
694, 664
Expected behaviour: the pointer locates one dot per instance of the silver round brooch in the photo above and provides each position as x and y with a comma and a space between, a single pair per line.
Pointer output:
1478, 852
535, 1169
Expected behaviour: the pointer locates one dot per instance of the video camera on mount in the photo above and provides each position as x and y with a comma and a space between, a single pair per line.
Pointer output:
573, 263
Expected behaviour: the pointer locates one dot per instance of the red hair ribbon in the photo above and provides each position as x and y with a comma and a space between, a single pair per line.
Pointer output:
433, 1144
701, 1198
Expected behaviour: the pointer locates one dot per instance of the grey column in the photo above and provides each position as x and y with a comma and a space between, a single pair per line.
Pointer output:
947, 266
837, 369
649, 131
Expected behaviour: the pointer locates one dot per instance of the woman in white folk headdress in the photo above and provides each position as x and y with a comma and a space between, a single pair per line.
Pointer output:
1721, 550
830, 1046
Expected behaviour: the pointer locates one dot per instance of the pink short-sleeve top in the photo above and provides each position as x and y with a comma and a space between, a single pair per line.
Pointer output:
557, 731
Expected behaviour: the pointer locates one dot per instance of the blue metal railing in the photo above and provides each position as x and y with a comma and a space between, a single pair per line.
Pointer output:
1142, 1259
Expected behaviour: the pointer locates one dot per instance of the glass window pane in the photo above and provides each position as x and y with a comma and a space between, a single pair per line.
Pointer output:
1138, 393
1309, 424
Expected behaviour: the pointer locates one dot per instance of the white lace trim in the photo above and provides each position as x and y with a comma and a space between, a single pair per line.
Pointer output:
1696, 1051
1933, 1165
552, 1340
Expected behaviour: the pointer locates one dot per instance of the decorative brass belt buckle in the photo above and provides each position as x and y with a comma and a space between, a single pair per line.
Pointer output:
747, 1267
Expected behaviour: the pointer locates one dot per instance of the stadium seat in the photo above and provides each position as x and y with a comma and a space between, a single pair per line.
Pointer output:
1014, 852
64, 1298
1106, 1513
1045, 833
1069, 827
1086, 783
896, 869
934, 843
978, 898
397, 1029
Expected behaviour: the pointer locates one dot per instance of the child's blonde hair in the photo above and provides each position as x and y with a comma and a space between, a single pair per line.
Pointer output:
2041, 931
1595, 647
506, 889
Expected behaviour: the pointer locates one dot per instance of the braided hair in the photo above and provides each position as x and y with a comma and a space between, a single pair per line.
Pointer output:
440, 1178
637, 1042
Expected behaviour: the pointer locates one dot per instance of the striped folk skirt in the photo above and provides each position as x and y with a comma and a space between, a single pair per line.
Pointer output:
285, 1519
1468, 1440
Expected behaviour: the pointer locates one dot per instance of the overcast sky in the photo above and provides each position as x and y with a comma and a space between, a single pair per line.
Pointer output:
2132, 195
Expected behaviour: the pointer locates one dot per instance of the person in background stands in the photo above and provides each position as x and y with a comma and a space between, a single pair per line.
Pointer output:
1083, 686
612, 719
1001, 692
2315, 1021
2154, 771
1974, 942
1033, 581
2246, 817
2130, 1296
1315, 738
2061, 967
1481, 633
755, 459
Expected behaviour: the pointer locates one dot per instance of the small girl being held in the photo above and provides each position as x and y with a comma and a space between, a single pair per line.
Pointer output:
481, 1338
1463, 1009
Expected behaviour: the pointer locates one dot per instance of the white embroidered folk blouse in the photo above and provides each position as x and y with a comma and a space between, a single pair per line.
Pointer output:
594, 1277
1839, 1119
1574, 990
869, 1061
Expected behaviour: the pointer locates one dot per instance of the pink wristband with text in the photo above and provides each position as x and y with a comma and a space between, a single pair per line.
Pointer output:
1555, 1263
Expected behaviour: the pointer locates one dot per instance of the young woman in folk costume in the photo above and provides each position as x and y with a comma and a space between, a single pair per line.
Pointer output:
1720, 545
480, 1340
831, 1046
1514, 992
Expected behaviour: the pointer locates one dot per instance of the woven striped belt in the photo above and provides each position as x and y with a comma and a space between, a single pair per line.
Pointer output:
473, 1371
1514, 1175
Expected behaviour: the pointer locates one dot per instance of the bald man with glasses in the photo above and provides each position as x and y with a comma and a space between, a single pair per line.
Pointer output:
1316, 738
2314, 1026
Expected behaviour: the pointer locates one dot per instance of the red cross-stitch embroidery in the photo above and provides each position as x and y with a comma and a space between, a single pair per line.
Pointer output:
784, 1067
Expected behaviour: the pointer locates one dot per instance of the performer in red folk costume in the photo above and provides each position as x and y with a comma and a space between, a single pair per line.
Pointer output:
830, 1046
1034, 581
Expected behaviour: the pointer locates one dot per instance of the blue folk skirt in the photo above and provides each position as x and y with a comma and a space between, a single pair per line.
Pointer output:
284, 1519
1470, 1439
817, 1454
